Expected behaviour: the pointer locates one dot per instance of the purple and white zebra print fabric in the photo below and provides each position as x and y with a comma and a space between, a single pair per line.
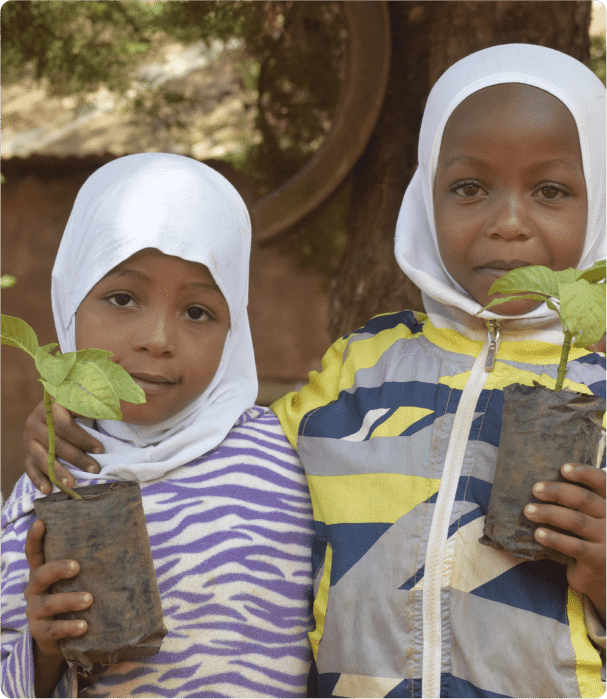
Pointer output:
231, 534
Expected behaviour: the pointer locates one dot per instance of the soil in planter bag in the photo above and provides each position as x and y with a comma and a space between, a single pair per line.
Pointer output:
106, 533
541, 431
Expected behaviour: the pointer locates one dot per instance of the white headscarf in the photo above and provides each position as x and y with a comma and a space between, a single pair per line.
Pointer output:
185, 209
416, 246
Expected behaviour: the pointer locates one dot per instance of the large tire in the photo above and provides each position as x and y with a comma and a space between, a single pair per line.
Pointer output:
358, 106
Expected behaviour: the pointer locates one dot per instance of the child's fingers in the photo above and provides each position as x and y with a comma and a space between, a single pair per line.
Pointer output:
42, 577
70, 432
71, 444
589, 528
579, 549
46, 633
36, 464
594, 478
44, 607
36, 456
42, 604
572, 496
33, 545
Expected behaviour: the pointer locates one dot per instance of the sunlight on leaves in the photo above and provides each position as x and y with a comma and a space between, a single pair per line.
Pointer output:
17, 333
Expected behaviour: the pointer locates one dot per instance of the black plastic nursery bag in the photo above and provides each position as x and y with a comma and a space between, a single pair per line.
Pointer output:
106, 533
541, 431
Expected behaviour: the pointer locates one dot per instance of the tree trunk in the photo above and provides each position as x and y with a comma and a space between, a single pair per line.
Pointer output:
427, 38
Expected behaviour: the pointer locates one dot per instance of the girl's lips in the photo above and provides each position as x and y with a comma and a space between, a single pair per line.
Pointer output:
152, 382
493, 271
498, 268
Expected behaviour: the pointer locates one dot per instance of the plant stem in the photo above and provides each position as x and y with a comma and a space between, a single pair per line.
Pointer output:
50, 423
563, 361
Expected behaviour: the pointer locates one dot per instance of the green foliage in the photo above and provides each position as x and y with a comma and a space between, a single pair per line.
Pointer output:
7, 281
17, 333
53, 369
86, 381
78, 46
577, 296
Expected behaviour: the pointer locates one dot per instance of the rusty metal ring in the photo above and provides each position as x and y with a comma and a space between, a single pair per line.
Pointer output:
358, 106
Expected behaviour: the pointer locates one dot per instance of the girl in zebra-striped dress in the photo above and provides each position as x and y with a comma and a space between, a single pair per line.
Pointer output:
153, 266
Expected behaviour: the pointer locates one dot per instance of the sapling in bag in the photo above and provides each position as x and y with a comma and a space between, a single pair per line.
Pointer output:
544, 428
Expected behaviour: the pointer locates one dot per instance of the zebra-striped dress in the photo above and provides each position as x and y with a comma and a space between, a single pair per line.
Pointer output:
231, 534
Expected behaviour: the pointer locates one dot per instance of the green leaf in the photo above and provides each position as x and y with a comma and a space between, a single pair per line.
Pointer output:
54, 368
594, 274
583, 311
50, 347
537, 297
93, 355
87, 392
7, 280
17, 333
534, 279
123, 385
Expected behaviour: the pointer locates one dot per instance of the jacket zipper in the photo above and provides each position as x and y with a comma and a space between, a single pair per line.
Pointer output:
431, 606
493, 327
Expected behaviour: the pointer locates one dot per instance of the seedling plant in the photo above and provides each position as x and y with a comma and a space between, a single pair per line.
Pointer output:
577, 296
87, 381
544, 428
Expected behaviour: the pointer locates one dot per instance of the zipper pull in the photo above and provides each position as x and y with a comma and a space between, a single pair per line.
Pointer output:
493, 328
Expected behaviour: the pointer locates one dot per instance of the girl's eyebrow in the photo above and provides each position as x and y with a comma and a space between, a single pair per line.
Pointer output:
466, 159
564, 162
210, 286
471, 160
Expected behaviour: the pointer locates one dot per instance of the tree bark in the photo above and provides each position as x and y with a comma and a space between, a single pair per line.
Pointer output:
427, 38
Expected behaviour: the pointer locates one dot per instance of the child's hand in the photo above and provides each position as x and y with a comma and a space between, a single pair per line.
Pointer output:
71, 444
43, 605
581, 512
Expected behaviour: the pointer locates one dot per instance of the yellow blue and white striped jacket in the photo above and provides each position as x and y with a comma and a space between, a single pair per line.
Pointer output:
398, 435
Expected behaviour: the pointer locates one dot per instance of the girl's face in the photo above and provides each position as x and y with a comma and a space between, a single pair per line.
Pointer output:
166, 321
509, 189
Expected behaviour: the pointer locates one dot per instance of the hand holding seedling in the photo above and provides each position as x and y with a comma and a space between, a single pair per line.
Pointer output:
72, 444
580, 512
577, 506
43, 606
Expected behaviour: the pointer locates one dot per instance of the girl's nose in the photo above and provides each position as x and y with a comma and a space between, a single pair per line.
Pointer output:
156, 337
510, 220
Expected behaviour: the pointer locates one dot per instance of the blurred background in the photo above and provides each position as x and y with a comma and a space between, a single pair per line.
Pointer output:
310, 109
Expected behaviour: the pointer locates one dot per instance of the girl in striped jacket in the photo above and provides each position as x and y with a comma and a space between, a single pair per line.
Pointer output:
153, 266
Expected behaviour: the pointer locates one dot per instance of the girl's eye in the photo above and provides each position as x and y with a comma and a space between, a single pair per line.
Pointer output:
467, 189
196, 313
551, 192
120, 299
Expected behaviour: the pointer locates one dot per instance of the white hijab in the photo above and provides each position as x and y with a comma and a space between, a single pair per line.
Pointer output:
185, 209
416, 246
